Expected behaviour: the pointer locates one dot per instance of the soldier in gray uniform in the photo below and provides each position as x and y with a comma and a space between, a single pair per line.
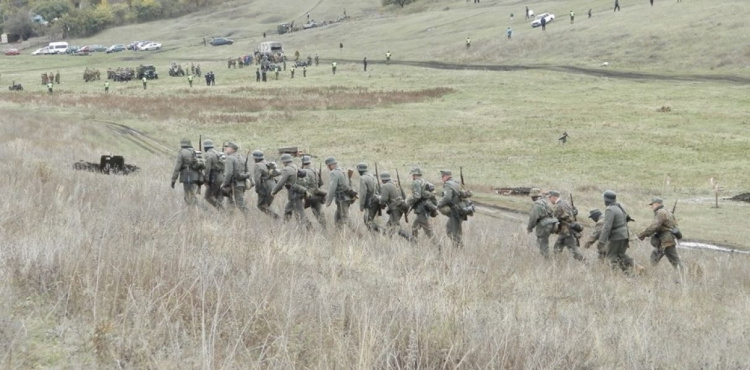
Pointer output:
423, 202
295, 192
313, 181
390, 196
567, 237
340, 191
264, 177
214, 174
189, 177
615, 234
235, 177
368, 197
449, 205
541, 219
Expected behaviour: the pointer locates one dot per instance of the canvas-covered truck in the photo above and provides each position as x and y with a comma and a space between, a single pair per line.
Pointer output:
271, 48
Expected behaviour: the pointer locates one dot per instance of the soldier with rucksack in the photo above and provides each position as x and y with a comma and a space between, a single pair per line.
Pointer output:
423, 202
394, 203
235, 177
456, 206
264, 176
541, 218
568, 230
313, 182
369, 197
296, 192
213, 174
188, 167
341, 191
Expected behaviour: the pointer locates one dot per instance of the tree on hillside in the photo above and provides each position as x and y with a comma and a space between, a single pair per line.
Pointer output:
20, 24
51, 9
399, 2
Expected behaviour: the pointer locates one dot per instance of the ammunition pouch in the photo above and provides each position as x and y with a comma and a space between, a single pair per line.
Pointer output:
226, 190
548, 221
465, 208
242, 176
655, 241
676, 232
576, 227
320, 192
445, 210
351, 193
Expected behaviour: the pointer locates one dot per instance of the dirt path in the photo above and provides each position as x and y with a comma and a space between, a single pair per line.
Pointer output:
138, 138
597, 72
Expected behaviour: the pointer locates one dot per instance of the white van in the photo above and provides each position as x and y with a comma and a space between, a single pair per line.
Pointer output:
270, 48
58, 47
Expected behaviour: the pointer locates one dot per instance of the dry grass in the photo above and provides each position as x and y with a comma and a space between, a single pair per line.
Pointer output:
114, 272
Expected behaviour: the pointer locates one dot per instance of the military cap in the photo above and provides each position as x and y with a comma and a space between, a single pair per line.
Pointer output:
595, 213
232, 145
416, 171
554, 193
185, 143
306, 159
446, 173
208, 143
535, 192
362, 166
656, 200
257, 154
609, 195
385, 176
286, 157
330, 161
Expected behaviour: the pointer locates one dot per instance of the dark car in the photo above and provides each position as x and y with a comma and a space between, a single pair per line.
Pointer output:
217, 41
115, 48
11, 52
99, 48
72, 49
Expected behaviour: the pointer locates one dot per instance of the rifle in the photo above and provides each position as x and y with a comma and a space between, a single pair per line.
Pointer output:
377, 186
200, 149
674, 207
461, 171
573, 205
403, 195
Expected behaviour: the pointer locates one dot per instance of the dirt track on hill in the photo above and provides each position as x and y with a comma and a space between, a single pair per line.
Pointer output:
597, 72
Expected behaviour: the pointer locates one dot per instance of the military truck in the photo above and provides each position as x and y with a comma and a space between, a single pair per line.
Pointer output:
271, 48
148, 71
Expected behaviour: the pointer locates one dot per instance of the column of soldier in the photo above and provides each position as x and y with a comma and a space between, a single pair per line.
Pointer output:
226, 176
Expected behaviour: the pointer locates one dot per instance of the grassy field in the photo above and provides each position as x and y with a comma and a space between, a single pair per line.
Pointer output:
107, 272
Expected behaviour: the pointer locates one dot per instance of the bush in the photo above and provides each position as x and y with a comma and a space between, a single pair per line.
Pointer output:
147, 10
396, 2
88, 21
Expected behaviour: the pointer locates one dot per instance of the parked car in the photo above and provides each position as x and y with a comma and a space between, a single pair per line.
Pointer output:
548, 17
86, 49
151, 46
99, 48
11, 52
72, 49
217, 41
132, 45
115, 48
41, 51
140, 44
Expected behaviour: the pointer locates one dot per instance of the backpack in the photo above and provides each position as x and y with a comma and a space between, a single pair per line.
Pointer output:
222, 160
197, 162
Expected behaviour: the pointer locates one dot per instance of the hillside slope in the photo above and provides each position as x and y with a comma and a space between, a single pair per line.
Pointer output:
667, 37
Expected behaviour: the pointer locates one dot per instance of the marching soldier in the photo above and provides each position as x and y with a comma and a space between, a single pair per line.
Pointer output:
340, 191
449, 206
313, 182
563, 212
541, 219
368, 197
390, 196
596, 215
615, 233
304, 71
214, 174
234, 183
423, 201
660, 231
264, 178
184, 168
296, 192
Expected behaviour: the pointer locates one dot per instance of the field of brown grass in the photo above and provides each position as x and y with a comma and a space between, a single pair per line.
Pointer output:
114, 272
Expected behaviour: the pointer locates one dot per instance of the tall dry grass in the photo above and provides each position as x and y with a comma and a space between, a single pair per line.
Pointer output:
115, 272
